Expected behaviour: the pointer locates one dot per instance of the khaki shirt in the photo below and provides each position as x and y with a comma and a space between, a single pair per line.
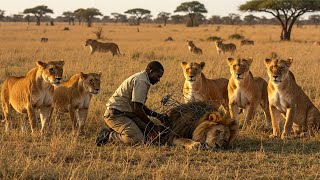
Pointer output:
133, 89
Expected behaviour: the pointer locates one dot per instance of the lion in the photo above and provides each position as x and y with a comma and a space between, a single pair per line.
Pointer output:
287, 98
44, 40
96, 46
246, 42
28, 93
317, 43
225, 47
245, 91
198, 88
74, 96
192, 48
197, 124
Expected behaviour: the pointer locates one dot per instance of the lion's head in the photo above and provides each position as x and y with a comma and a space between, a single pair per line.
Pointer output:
218, 43
278, 69
239, 67
192, 71
52, 71
216, 129
90, 41
190, 43
91, 82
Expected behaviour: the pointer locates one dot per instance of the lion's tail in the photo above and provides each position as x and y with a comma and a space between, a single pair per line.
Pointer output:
118, 49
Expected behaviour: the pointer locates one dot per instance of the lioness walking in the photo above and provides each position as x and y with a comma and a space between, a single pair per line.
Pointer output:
96, 46
225, 47
193, 48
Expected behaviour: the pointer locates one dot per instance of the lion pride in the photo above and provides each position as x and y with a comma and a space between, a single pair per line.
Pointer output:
26, 94
245, 91
198, 88
74, 96
287, 98
197, 124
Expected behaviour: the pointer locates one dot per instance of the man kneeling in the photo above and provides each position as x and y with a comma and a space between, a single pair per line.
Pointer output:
126, 113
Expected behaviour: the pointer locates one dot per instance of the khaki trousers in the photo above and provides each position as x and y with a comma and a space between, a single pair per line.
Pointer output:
127, 129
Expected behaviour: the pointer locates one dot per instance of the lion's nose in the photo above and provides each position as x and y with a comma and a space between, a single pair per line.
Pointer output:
58, 78
97, 89
275, 76
191, 76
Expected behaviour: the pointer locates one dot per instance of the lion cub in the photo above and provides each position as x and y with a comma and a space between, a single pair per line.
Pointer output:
198, 88
225, 47
287, 98
192, 48
74, 96
245, 91
29, 93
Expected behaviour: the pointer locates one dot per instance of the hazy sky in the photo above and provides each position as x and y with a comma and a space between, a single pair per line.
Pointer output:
214, 7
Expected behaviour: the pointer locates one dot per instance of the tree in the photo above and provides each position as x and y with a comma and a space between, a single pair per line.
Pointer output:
70, 16
250, 19
176, 19
285, 11
38, 12
27, 18
1, 14
215, 19
315, 19
164, 16
138, 13
17, 18
89, 15
79, 14
191, 8
116, 16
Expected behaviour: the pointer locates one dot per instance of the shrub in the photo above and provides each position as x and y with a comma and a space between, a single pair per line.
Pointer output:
236, 36
213, 38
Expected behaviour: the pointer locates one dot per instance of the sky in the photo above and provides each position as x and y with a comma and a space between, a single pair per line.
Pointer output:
214, 7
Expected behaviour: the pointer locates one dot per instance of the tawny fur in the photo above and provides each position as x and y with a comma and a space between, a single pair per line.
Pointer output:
96, 46
221, 47
198, 88
246, 42
288, 99
193, 48
29, 93
245, 91
74, 96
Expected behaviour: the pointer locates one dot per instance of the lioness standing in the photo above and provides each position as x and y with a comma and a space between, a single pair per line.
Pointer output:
193, 48
198, 88
245, 91
287, 98
28, 93
225, 47
96, 46
74, 96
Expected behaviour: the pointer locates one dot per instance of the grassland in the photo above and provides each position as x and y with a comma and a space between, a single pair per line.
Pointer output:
61, 156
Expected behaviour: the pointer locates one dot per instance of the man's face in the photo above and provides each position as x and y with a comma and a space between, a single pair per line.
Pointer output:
155, 76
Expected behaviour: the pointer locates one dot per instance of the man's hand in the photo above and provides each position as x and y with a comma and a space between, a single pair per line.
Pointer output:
163, 117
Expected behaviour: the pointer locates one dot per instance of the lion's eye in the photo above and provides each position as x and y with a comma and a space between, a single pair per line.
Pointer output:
91, 81
234, 66
218, 132
187, 69
61, 70
51, 70
271, 68
282, 68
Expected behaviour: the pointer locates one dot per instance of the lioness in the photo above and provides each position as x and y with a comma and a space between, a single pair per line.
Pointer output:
287, 98
225, 47
245, 91
34, 91
192, 48
198, 88
74, 96
246, 42
96, 46
197, 124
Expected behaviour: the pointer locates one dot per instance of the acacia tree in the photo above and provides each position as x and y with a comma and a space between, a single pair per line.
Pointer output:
1, 14
138, 13
164, 16
285, 11
79, 14
89, 14
70, 15
38, 12
192, 9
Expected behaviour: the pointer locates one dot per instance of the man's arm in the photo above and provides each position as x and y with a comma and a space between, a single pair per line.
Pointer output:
138, 109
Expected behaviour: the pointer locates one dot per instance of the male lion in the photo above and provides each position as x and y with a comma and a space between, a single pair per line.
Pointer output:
245, 91
287, 98
225, 47
96, 46
74, 96
34, 91
192, 48
195, 124
198, 88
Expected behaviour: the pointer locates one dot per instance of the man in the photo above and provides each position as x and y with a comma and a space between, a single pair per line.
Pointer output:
126, 113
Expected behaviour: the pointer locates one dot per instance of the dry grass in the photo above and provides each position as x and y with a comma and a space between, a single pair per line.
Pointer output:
252, 156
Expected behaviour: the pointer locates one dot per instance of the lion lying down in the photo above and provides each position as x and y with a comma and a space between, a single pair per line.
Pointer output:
196, 124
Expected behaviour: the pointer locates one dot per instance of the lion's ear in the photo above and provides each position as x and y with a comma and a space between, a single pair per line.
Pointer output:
230, 60
202, 64
61, 62
222, 110
183, 64
289, 61
249, 61
214, 118
267, 61
234, 127
83, 75
100, 73
41, 64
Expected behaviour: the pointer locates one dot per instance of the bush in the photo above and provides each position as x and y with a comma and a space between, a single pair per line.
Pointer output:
214, 38
236, 36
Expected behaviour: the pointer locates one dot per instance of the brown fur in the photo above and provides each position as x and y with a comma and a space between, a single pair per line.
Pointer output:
192, 48
44, 40
197, 123
198, 88
34, 91
225, 47
246, 42
74, 96
97, 46
288, 99
245, 91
